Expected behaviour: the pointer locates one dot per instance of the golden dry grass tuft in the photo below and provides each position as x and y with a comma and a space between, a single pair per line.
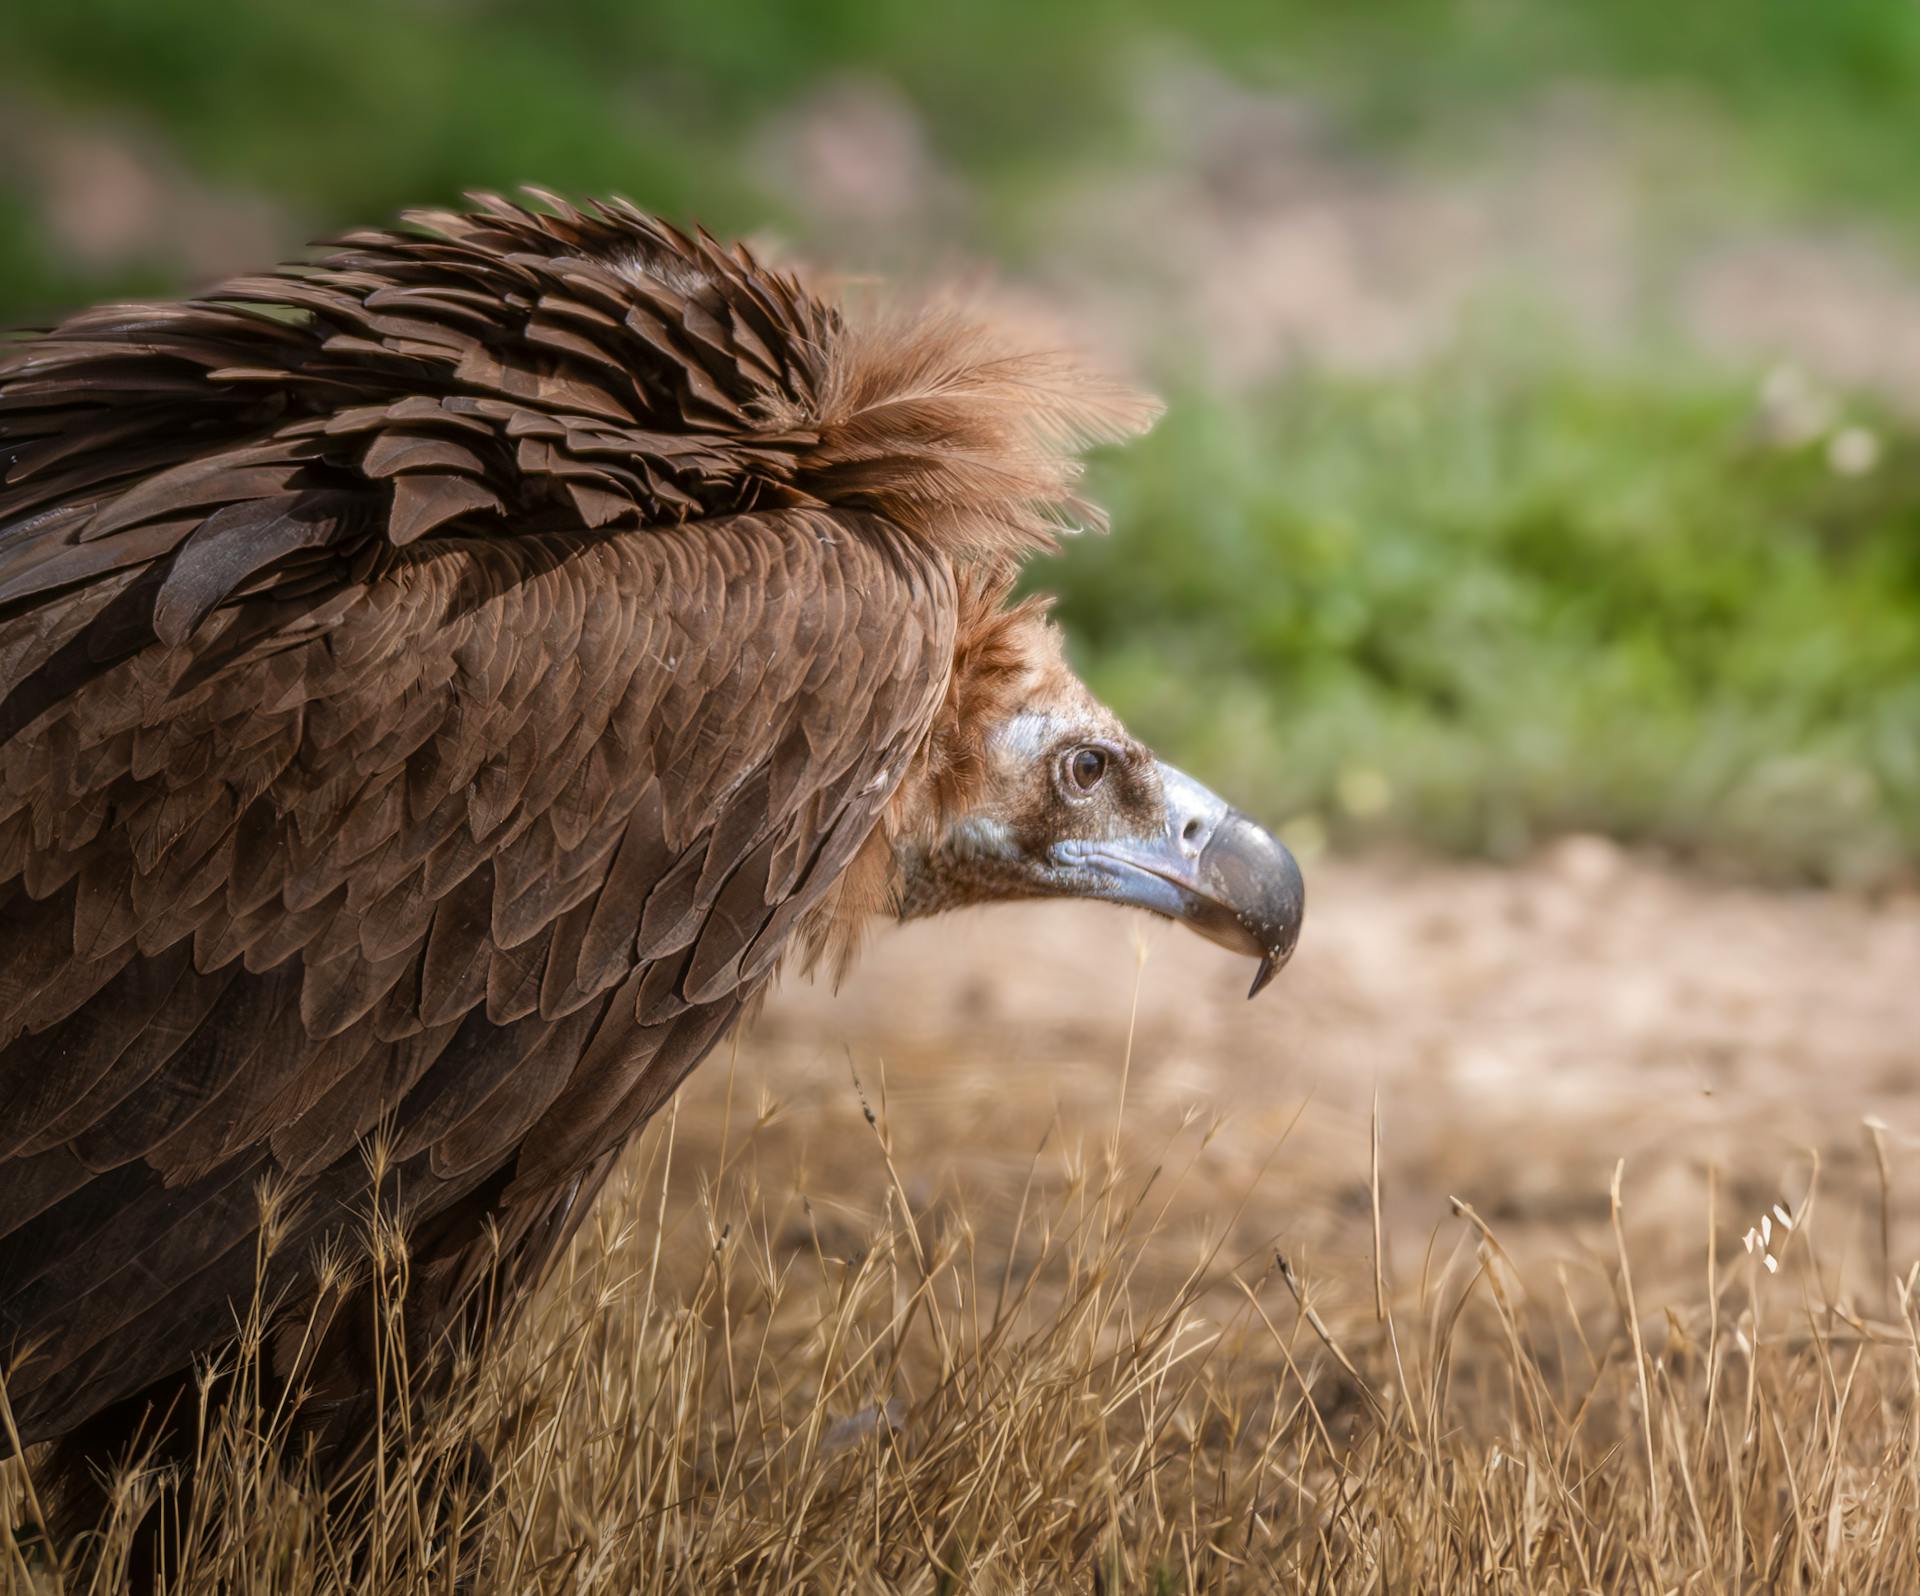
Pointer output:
728, 1387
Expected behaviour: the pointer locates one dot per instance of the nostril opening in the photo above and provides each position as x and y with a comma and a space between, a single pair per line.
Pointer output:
1190, 832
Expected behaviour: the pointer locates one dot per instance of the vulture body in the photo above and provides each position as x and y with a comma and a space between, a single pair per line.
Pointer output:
438, 686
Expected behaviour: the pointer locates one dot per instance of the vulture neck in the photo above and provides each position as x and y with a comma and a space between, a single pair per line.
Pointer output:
1001, 649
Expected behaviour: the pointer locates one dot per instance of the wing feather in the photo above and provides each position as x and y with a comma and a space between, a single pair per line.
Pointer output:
437, 683
505, 971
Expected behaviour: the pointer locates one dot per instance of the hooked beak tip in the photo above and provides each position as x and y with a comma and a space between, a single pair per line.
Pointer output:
1269, 968
1247, 870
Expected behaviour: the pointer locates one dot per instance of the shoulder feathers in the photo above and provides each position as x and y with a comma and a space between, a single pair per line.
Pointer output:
436, 685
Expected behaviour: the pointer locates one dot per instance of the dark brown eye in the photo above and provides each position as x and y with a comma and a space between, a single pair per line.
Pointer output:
1086, 768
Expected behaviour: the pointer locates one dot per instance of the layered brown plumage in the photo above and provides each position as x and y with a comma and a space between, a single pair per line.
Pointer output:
438, 685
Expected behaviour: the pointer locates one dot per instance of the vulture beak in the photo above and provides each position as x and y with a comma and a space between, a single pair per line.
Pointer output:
1210, 867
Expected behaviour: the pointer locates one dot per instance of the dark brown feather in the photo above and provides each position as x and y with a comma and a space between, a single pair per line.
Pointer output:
439, 684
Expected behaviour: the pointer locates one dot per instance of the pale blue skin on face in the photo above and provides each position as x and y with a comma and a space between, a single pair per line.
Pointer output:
1170, 845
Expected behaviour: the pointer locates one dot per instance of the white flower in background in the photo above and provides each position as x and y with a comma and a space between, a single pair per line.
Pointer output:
1853, 452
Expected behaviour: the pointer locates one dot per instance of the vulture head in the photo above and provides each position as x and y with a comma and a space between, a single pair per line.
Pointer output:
440, 684
1064, 804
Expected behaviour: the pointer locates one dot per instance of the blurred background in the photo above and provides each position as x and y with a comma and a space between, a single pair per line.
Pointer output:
1537, 458
1533, 537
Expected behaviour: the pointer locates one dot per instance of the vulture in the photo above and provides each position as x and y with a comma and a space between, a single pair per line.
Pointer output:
440, 684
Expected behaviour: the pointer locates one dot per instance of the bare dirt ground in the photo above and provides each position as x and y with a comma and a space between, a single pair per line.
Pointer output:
1524, 1030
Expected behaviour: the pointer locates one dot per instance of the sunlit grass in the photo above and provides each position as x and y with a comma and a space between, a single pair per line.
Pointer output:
1073, 1385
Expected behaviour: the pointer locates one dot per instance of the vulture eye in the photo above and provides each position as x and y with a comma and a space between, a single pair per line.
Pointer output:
1086, 768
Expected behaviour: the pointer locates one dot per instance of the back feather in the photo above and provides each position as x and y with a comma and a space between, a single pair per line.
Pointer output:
438, 685
510, 370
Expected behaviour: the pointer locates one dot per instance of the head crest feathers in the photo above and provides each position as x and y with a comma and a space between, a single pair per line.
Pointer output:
946, 427
519, 367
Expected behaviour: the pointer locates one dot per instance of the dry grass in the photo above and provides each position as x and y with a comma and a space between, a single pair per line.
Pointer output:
854, 1384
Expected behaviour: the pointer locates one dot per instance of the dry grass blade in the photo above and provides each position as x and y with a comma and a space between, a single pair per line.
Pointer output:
757, 1372
1639, 1349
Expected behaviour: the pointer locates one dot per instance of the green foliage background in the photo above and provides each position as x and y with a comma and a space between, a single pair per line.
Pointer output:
1505, 594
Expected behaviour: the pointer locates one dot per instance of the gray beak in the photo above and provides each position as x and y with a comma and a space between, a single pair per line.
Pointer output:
1210, 868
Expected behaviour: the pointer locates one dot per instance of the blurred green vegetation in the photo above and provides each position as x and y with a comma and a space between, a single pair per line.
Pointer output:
1482, 605
1472, 604
353, 108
